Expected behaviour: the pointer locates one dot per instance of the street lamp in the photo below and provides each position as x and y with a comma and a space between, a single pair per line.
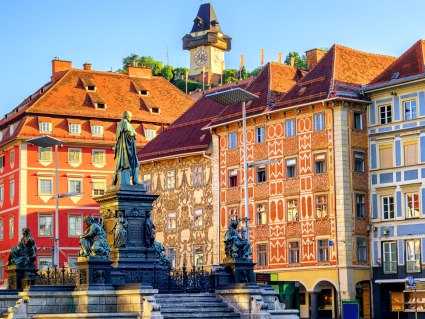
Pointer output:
233, 96
48, 141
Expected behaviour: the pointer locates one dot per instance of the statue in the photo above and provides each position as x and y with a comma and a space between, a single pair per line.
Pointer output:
23, 255
93, 241
126, 162
149, 231
163, 258
235, 245
120, 230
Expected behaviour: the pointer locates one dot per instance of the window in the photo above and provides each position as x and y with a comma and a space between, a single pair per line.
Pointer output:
91, 88
320, 163
387, 207
75, 128
292, 210
390, 257
233, 141
361, 249
74, 155
12, 158
233, 177
72, 262
45, 127
98, 157
291, 168
171, 253
385, 114
171, 220
97, 130
45, 262
170, 179
198, 217
198, 175
290, 128
147, 181
323, 250
412, 205
45, 225
410, 153
413, 255
261, 214
11, 227
386, 156
12, 190
45, 186
75, 186
259, 134
45, 154
358, 121
75, 226
1, 229
1, 161
100, 105
319, 121
198, 254
360, 206
294, 252
261, 174
359, 162
321, 206
1, 193
150, 134
409, 109
98, 187
12, 129
262, 255
155, 110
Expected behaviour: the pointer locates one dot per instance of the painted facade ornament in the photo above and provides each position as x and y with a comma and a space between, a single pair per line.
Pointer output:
126, 162
24, 254
120, 230
93, 241
235, 245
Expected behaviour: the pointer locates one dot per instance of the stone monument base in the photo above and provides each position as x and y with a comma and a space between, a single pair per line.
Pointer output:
94, 273
236, 271
16, 275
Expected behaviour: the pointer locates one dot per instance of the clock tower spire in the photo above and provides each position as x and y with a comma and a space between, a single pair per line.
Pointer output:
207, 44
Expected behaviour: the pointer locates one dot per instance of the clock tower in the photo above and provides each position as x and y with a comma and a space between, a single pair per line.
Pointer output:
207, 44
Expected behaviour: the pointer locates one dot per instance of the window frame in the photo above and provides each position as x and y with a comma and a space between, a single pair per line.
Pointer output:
262, 255
171, 218
317, 159
198, 212
71, 152
45, 215
261, 173
388, 114
416, 256
45, 150
40, 186
98, 191
261, 217
361, 249
319, 121
260, 134
323, 205
414, 115
391, 262
1, 228
12, 158
198, 177
360, 206
291, 170
290, 127
75, 129
11, 226
96, 130
150, 134
98, 152
75, 216
233, 179
43, 129
42, 264
12, 190
147, 182
294, 252
195, 254
362, 159
406, 201
388, 204
71, 181
323, 250
232, 140
358, 121
170, 177
292, 212
172, 256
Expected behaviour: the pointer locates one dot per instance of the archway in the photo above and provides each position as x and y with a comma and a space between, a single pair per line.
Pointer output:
323, 301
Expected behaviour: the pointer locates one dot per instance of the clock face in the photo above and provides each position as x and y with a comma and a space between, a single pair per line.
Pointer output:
200, 57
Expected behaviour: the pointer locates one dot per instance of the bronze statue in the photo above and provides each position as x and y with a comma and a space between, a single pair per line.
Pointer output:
93, 241
235, 245
149, 231
126, 162
23, 255
120, 230
163, 258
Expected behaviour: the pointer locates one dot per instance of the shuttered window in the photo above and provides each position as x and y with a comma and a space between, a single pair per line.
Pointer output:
410, 153
386, 156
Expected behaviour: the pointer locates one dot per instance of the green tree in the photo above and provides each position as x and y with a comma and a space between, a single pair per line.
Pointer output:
300, 61
231, 75
180, 73
167, 72
145, 61
256, 71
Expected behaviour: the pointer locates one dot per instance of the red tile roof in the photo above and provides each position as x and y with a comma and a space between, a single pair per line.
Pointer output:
340, 73
410, 63
67, 97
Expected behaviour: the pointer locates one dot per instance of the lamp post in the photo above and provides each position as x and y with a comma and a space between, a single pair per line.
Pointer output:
234, 96
48, 141
411, 284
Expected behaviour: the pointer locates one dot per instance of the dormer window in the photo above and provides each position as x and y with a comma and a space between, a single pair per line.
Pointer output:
45, 127
155, 110
302, 90
144, 92
101, 106
1, 135
97, 130
75, 128
150, 134
91, 88
12, 129
395, 75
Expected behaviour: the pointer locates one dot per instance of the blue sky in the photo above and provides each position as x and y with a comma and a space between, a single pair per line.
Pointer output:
102, 32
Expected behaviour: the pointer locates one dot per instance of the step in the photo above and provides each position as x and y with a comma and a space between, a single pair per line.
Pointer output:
195, 304
202, 316
181, 309
117, 315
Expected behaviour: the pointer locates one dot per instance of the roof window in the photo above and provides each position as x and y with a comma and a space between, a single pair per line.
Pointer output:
101, 106
155, 110
395, 75
302, 90
91, 88
144, 92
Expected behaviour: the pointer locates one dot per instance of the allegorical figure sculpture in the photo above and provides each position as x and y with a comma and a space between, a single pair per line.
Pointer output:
235, 245
149, 231
120, 230
24, 254
126, 162
93, 241
159, 248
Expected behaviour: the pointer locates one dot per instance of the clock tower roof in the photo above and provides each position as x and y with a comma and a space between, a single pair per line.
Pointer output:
206, 19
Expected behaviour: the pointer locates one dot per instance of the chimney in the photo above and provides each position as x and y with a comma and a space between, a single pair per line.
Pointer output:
139, 71
87, 66
293, 61
313, 57
59, 67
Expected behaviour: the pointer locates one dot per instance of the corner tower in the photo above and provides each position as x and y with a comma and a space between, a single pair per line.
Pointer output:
207, 44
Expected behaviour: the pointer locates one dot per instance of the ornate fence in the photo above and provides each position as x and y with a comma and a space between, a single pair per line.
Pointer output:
54, 277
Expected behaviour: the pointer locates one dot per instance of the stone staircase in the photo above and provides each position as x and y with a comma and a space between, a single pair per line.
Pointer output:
199, 305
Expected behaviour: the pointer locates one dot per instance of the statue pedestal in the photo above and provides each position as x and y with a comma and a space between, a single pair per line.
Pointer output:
93, 273
236, 271
15, 275
136, 259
